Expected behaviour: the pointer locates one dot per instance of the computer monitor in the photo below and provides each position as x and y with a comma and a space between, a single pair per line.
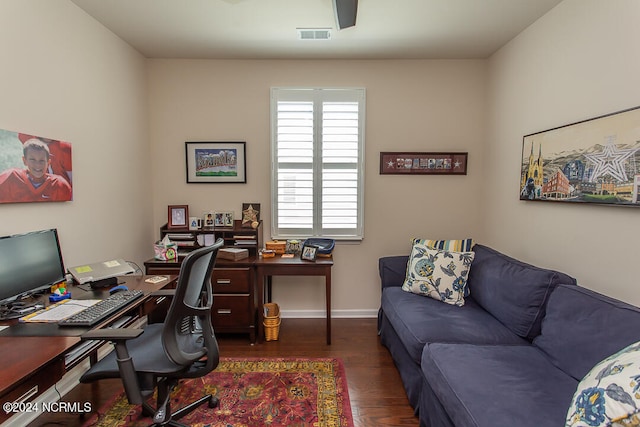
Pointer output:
29, 263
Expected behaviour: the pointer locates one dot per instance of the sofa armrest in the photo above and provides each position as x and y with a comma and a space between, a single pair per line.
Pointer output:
392, 270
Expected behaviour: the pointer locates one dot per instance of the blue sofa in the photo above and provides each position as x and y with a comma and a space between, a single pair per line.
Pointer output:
512, 355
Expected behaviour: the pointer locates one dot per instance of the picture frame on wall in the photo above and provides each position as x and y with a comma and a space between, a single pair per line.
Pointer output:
216, 162
23, 158
422, 163
178, 216
594, 161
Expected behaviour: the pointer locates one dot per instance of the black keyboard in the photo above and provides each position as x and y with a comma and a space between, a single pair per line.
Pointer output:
105, 308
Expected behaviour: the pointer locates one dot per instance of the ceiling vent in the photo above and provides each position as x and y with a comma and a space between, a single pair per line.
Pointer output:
314, 33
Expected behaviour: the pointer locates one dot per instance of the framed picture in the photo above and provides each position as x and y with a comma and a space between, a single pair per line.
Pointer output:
26, 157
250, 214
592, 161
178, 216
216, 162
419, 163
208, 220
223, 219
309, 253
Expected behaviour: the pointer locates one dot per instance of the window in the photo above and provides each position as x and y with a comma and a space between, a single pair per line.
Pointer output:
317, 150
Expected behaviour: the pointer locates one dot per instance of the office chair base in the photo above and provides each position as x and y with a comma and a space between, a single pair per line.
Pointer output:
150, 411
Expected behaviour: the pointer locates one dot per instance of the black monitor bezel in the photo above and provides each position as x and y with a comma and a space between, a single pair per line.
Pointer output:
45, 286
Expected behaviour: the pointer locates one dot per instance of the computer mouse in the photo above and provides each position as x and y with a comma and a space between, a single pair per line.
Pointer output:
118, 289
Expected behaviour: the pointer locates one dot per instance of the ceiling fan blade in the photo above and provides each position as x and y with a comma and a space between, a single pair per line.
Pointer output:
345, 11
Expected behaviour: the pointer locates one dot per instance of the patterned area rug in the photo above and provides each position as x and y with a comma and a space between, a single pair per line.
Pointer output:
254, 392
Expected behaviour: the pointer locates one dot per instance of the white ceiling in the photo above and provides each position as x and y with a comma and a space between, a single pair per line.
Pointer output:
266, 29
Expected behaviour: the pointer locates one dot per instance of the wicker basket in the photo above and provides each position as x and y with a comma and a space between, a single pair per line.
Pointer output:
271, 321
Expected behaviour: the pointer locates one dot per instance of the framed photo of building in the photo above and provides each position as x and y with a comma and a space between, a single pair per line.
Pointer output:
592, 161
216, 162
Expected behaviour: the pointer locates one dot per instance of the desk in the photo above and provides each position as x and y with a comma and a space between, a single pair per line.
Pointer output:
33, 355
266, 268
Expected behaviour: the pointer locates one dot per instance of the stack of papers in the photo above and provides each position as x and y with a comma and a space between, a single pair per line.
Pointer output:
59, 311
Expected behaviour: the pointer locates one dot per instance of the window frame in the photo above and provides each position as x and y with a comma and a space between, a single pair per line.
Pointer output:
318, 96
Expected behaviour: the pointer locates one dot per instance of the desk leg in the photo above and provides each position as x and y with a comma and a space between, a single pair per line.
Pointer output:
327, 279
261, 289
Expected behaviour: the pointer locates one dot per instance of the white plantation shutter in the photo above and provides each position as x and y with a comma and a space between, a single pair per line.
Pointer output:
317, 162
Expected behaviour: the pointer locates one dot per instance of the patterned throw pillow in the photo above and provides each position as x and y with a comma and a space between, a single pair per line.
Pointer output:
461, 245
438, 274
609, 395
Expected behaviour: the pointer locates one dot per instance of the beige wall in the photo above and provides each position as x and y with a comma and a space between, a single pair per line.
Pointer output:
411, 105
578, 61
64, 76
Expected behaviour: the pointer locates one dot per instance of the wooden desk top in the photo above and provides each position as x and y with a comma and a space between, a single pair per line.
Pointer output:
28, 355
24, 356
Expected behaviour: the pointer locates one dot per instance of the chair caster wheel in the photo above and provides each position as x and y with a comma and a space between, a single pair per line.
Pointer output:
214, 402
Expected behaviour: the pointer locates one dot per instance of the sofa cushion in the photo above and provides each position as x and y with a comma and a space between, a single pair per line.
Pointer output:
497, 386
512, 291
609, 392
582, 327
438, 274
459, 245
418, 320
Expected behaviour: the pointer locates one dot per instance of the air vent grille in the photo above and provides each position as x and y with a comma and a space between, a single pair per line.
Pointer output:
314, 33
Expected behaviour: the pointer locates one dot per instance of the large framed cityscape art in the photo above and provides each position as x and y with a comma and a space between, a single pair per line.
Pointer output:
595, 161
216, 162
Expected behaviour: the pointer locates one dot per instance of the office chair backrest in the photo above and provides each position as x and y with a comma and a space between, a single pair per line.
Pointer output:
188, 334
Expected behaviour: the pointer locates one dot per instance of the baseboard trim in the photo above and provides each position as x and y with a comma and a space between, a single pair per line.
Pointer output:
336, 314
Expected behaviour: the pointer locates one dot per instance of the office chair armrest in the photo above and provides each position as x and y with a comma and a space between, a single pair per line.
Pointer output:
114, 334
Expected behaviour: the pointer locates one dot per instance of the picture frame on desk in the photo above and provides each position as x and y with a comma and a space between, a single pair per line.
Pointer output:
177, 216
223, 219
309, 253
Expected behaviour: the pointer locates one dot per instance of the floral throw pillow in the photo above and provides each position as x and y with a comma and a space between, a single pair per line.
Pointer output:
441, 275
609, 395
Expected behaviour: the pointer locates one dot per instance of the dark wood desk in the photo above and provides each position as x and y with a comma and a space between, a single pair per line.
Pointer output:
33, 359
266, 268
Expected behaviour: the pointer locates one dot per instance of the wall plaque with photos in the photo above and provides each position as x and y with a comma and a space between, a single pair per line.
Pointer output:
422, 163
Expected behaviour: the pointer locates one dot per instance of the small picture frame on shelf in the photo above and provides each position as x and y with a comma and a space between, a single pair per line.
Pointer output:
250, 214
208, 220
178, 215
309, 253
227, 219
223, 219
195, 223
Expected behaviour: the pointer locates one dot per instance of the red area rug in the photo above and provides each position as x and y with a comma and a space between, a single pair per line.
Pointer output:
254, 392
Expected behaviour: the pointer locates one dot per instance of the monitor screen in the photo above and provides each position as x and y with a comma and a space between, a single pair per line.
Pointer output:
29, 263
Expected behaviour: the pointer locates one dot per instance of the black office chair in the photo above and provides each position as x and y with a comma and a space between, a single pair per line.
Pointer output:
161, 354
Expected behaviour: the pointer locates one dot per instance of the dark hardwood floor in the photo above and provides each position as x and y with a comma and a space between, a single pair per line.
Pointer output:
375, 390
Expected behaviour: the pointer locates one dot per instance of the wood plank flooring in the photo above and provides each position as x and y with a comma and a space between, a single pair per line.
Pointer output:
375, 390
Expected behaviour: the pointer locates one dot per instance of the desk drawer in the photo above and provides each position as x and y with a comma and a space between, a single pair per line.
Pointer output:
230, 280
231, 311
32, 387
